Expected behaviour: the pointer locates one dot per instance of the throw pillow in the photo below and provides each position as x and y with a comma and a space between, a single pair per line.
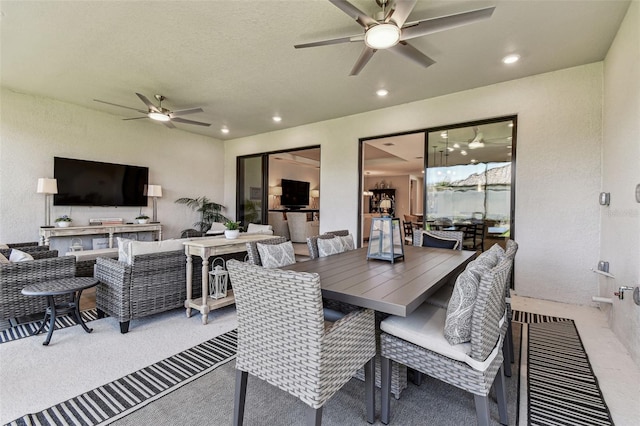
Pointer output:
347, 242
430, 240
3, 259
276, 255
124, 249
457, 326
259, 229
19, 256
329, 246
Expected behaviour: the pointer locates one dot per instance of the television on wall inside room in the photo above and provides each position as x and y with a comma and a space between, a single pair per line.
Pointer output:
295, 194
94, 183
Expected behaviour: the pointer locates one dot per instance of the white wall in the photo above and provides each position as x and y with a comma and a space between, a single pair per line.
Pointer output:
35, 129
620, 222
558, 168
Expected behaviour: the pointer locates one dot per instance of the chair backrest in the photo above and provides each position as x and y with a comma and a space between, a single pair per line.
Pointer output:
279, 224
339, 233
451, 235
408, 229
298, 226
312, 244
279, 317
489, 308
252, 249
190, 233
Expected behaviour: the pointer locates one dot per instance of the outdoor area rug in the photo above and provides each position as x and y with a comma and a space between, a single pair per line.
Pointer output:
133, 391
26, 329
557, 383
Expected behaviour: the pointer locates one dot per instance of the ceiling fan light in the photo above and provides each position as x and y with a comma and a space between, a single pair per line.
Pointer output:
158, 116
382, 36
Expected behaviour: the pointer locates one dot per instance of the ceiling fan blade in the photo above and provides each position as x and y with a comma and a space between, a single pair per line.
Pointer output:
185, 112
121, 106
401, 11
360, 17
406, 50
185, 121
134, 118
365, 56
434, 25
338, 40
148, 103
168, 124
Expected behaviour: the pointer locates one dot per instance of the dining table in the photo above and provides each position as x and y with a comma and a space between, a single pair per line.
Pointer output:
394, 288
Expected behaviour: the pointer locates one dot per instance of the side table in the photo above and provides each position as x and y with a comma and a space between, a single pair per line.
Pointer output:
69, 286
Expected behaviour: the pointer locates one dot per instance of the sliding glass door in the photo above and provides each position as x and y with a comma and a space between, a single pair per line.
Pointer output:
251, 198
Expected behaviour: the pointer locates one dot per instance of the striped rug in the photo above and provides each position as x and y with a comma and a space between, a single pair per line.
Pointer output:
557, 384
115, 400
27, 329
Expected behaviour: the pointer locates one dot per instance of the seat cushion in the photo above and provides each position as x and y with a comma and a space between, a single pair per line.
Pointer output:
19, 256
424, 328
329, 246
276, 255
259, 229
86, 255
3, 259
430, 240
457, 327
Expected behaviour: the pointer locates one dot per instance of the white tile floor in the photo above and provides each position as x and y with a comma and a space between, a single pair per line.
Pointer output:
618, 375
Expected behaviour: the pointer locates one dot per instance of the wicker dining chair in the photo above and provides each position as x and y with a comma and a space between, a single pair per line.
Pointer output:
450, 235
473, 367
510, 252
283, 339
253, 256
312, 244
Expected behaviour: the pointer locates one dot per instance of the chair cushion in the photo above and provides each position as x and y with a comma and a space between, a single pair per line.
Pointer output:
3, 259
430, 240
457, 328
3, 246
332, 315
347, 242
423, 327
329, 246
490, 257
276, 255
217, 228
259, 229
86, 255
19, 256
124, 251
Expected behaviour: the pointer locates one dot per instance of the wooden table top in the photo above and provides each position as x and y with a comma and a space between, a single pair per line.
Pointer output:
394, 288
222, 241
59, 286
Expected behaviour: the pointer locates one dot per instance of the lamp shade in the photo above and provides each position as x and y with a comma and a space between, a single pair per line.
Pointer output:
47, 186
314, 193
154, 191
276, 190
385, 204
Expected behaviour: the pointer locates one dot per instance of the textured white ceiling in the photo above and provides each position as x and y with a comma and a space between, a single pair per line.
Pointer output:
236, 60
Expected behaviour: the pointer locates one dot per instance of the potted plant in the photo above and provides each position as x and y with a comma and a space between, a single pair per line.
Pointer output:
209, 211
143, 218
232, 230
63, 221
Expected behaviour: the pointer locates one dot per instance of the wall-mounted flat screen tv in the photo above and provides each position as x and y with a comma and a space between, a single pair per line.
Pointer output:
93, 183
295, 194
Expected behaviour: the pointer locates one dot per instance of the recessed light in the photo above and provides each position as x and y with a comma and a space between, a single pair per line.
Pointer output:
382, 92
474, 161
277, 118
510, 124
511, 59
455, 145
463, 152
224, 130
450, 149
444, 135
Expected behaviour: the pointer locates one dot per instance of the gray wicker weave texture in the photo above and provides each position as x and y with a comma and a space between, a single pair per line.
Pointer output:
338, 233
15, 276
312, 242
252, 249
37, 252
282, 337
452, 235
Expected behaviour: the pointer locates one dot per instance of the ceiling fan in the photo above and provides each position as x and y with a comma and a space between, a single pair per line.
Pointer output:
161, 114
390, 30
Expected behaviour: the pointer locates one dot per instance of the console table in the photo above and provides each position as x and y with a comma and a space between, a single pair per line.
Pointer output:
74, 231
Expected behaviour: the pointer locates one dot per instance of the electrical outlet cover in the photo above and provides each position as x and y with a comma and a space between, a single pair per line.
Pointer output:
636, 296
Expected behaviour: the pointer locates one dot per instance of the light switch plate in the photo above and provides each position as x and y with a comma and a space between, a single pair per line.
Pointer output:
638, 193
604, 198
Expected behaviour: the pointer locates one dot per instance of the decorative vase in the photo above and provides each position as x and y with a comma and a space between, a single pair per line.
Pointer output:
231, 234
63, 224
142, 221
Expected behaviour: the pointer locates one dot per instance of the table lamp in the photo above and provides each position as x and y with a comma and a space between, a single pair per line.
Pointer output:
385, 205
47, 187
315, 194
154, 191
276, 191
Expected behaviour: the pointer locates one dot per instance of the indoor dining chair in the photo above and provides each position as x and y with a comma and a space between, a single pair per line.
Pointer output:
283, 339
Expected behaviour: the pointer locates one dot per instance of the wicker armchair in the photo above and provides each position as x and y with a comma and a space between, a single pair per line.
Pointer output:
252, 249
15, 276
282, 339
452, 235
474, 368
153, 283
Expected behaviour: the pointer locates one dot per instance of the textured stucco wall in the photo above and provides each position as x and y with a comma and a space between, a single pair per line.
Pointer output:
35, 129
620, 222
558, 168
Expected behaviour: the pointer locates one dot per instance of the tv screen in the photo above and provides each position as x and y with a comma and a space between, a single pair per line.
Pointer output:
92, 183
295, 193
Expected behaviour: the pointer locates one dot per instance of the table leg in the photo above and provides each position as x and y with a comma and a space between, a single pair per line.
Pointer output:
189, 285
76, 312
204, 309
51, 309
